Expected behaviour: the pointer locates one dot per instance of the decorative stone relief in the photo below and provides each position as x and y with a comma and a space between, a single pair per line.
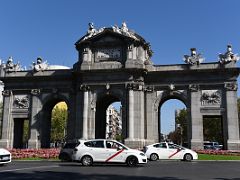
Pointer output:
194, 58
211, 97
108, 53
21, 101
194, 87
231, 86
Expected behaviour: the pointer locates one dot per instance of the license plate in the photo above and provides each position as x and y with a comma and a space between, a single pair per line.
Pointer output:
5, 158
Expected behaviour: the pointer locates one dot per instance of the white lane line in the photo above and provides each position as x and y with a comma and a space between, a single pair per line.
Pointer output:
22, 169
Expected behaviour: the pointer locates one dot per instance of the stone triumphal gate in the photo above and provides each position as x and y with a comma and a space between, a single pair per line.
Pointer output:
114, 65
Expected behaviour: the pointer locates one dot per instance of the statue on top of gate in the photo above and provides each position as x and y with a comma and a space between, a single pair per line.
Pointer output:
228, 56
39, 65
194, 58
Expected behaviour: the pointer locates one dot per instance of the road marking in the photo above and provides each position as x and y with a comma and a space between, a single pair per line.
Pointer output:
22, 169
114, 155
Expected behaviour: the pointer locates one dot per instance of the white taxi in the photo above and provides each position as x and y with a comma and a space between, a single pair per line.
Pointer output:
107, 151
5, 156
166, 150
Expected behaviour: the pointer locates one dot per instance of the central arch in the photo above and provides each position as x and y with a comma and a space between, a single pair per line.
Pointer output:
104, 100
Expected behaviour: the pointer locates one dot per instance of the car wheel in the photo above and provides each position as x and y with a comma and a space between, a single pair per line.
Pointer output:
87, 161
153, 157
132, 161
188, 157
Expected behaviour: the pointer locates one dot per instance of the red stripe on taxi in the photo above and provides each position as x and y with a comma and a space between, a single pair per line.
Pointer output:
114, 155
174, 153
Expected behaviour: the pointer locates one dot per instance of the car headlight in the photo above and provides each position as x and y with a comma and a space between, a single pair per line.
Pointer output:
142, 154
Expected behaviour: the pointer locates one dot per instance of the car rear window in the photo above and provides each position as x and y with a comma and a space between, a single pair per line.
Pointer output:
71, 145
95, 144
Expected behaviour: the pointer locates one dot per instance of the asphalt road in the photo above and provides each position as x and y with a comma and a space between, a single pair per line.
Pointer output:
44, 170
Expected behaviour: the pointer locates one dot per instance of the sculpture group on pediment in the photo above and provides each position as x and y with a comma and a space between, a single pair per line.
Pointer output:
124, 30
92, 31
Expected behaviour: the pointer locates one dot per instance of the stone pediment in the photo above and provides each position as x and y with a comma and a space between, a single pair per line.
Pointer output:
108, 35
112, 47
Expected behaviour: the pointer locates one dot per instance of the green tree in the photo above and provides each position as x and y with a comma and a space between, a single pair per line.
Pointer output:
58, 124
181, 119
212, 129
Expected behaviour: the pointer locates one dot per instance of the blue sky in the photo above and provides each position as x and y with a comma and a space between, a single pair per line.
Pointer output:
49, 28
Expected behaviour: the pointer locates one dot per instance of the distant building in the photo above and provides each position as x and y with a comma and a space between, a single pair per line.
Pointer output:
1, 90
113, 122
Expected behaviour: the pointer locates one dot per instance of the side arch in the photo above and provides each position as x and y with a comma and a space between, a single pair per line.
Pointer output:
45, 120
162, 97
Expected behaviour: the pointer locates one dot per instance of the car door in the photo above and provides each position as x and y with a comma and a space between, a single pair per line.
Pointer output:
114, 152
174, 151
97, 150
162, 150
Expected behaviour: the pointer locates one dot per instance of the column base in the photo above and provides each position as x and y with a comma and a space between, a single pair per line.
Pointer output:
196, 144
34, 144
137, 143
4, 143
233, 144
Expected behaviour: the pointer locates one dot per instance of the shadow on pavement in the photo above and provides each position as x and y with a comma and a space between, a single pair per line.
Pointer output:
43, 175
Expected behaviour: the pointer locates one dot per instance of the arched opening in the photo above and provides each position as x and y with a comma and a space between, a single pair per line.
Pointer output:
109, 118
173, 122
54, 123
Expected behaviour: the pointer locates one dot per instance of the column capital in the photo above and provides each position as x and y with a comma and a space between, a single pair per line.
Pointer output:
35, 92
7, 93
231, 86
84, 87
194, 87
148, 88
135, 87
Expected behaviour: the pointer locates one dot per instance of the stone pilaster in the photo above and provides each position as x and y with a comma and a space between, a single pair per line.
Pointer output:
196, 125
233, 141
7, 123
135, 116
36, 106
85, 90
